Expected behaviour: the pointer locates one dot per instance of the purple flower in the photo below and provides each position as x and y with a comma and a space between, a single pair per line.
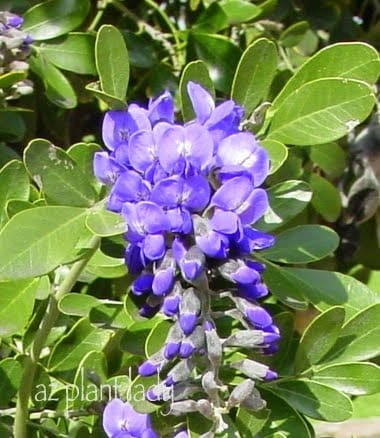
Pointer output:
190, 195
120, 420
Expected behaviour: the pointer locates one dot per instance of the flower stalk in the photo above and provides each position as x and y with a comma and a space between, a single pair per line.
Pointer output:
47, 323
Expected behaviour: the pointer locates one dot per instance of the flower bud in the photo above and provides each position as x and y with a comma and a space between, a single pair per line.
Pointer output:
254, 401
189, 309
172, 301
209, 384
251, 369
179, 372
152, 365
205, 408
143, 283
241, 392
214, 347
245, 339
173, 342
164, 275
183, 407
192, 343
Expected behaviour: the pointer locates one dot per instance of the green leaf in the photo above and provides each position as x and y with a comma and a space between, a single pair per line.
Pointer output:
319, 337
141, 49
212, 20
315, 400
105, 266
105, 223
283, 418
303, 244
195, 71
135, 337
112, 61
157, 336
283, 287
12, 126
325, 289
53, 18
137, 391
254, 74
14, 183
359, 337
77, 304
351, 378
36, 241
111, 101
197, 424
283, 360
110, 315
250, 423
16, 305
69, 351
219, 54
330, 158
336, 104
294, 34
74, 52
366, 406
12, 77
357, 60
57, 88
239, 11
58, 175
44, 288
326, 198
83, 155
286, 201
14, 206
11, 372
278, 153
92, 368
7, 154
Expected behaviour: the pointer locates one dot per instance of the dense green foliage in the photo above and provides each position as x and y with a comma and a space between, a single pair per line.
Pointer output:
306, 76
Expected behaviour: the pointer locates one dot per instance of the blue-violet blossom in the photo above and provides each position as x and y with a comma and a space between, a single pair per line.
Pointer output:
120, 420
190, 195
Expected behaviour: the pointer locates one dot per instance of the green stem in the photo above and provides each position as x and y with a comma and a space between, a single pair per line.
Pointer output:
167, 21
47, 323
155, 33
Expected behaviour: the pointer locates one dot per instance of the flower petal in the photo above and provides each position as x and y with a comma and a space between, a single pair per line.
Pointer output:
196, 193
168, 192
136, 423
106, 168
226, 222
162, 108
142, 150
202, 101
152, 217
254, 207
154, 246
231, 195
113, 416
130, 187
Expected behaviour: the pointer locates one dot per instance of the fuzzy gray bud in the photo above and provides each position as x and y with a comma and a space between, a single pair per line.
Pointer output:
241, 392
250, 368
245, 339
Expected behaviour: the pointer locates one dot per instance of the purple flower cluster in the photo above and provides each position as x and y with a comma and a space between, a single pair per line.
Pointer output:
14, 49
190, 195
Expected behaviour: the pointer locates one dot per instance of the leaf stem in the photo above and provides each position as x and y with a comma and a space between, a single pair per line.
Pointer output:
47, 323
167, 21
155, 33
